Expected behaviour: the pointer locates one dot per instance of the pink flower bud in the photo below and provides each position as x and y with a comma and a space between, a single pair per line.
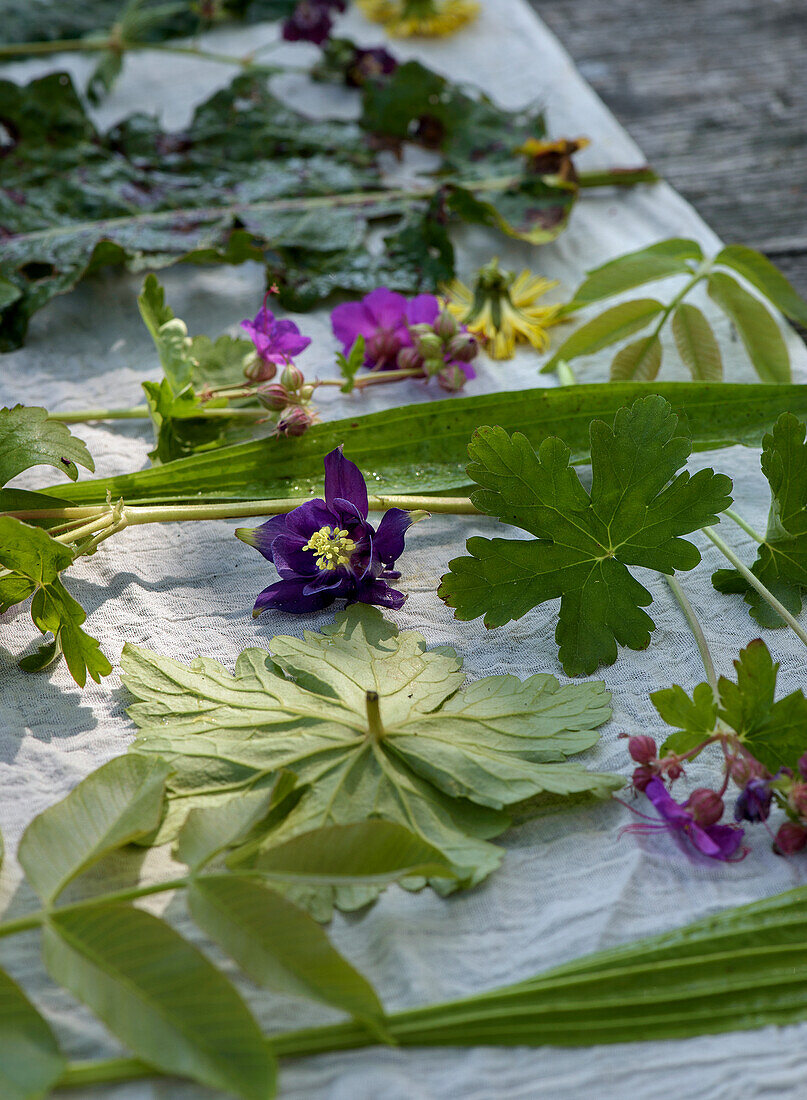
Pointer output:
743, 769
672, 769
409, 359
446, 326
642, 748
259, 370
706, 806
291, 378
273, 397
642, 776
463, 347
797, 798
451, 379
294, 422
790, 838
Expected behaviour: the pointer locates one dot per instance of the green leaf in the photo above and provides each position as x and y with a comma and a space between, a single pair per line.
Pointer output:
781, 562
646, 265
30, 1061
350, 364
169, 333
31, 552
277, 944
775, 732
54, 609
28, 438
744, 968
445, 762
696, 344
369, 852
608, 328
160, 996
639, 361
758, 330
207, 832
119, 803
762, 274
423, 448
638, 508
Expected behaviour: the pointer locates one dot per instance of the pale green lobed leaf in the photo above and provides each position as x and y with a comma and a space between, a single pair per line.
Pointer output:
446, 763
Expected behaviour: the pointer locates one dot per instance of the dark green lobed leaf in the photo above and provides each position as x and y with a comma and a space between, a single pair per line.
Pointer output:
28, 438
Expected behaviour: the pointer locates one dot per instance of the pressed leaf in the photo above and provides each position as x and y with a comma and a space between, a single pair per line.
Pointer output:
277, 944
781, 562
637, 362
758, 330
160, 996
638, 508
697, 344
30, 1061
646, 265
423, 448
608, 328
446, 761
119, 803
762, 274
28, 438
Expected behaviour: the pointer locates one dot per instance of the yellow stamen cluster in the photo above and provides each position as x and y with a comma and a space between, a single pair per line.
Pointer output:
332, 547
404, 18
502, 309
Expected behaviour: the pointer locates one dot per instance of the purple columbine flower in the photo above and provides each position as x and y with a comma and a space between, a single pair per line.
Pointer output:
721, 842
311, 21
383, 319
276, 342
754, 801
326, 550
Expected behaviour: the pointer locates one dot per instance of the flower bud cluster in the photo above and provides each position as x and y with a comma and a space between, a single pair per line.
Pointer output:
291, 397
443, 349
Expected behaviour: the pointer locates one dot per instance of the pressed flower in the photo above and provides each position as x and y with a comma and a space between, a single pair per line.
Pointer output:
276, 343
502, 309
404, 18
326, 549
383, 319
694, 822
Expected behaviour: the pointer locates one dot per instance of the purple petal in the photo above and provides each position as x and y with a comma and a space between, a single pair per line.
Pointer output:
289, 595
291, 560
343, 480
386, 308
423, 309
287, 338
380, 593
262, 537
350, 320
328, 580
389, 538
309, 517
717, 841
666, 805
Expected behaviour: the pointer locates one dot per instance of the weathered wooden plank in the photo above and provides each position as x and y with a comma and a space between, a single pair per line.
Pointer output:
715, 92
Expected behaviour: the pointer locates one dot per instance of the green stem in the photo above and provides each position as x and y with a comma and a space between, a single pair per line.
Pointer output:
697, 631
117, 45
141, 412
136, 515
749, 530
755, 582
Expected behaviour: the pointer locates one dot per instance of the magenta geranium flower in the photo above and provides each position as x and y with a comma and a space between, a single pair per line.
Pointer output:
723, 842
326, 549
383, 319
276, 342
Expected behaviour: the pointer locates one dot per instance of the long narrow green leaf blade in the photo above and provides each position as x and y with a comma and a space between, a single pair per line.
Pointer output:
278, 945
160, 996
119, 803
30, 1062
424, 448
759, 332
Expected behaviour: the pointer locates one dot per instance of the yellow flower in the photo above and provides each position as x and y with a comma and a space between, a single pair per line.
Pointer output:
502, 309
404, 18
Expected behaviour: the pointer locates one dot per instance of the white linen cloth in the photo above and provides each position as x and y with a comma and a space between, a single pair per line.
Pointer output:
567, 886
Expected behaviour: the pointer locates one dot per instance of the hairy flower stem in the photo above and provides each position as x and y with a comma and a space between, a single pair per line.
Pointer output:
755, 582
697, 631
749, 530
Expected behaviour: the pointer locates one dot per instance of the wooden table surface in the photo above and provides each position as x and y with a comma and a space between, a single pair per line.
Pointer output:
715, 93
